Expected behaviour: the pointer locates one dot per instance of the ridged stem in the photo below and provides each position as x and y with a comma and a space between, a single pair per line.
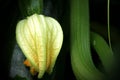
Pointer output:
81, 59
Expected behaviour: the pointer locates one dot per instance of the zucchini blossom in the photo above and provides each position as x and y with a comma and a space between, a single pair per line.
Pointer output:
40, 39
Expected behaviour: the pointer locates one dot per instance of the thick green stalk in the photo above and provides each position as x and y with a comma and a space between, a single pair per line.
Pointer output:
81, 59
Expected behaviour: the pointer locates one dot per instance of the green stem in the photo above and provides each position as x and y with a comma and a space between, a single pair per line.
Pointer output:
103, 50
108, 22
29, 7
81, 60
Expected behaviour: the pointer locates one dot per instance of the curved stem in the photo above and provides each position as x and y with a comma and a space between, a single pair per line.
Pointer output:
108, 22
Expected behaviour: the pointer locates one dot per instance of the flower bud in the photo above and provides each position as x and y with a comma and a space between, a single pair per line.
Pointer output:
40, 38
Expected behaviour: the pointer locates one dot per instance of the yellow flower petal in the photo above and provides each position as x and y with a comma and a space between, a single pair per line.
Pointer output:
40, 39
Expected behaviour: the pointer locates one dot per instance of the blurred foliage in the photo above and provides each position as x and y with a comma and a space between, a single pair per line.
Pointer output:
19, 78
